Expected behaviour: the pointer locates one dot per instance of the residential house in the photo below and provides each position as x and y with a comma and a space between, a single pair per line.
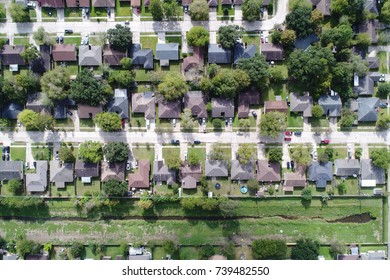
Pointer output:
306, 42
64, 52
219, 55
347, 167
61, 173
267, 171
52, 3
216, 168
169, 109
45, 52
370, 6
167, 52
266, 3
37, 257
367, 109
272, 52
222, 107
190, 175
371, 175
374, 255
37, 103
186, 3
242, 172
321, 173
242, 52
373, 62
119, 103
113, 171
196, 102
301, 103
322, 6
103, 3
138, 254
279, 106
10, 257
113, 57
194, 61
161, 173
365, 86
369, 27
227, 2
37, 182
60, 108
295, 179
146, 3
331, 104
11, 170
135, 3
86, 170
218, 258
140, 180
212, 3
11, 55
142, 57
90, 55
245, 99
144, 103
88, 112
11, 111
77, 3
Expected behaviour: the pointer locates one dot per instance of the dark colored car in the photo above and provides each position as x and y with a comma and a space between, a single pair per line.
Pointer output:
3, 149
382, 105
7, 149
196, 142
325, 142
68, 31
298, 133
57, 39
3, 157
61, 40
292, 164
138, 10
69, 113
7, 41
254, 114
175, 142
109, 12
7, 157
288, 165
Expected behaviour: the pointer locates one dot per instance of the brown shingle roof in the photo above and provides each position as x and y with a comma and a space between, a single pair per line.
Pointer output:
169, 109
88, 112
73, 3
190, 175
113, 171
103, 3
295, 179
272, 51
140, 180
222, 107
11, 55
64, 52
196, 102
112, 57
135, 3
245, 99
268, 171
280, 106
53, 3
144, 103
86, 169
194, 60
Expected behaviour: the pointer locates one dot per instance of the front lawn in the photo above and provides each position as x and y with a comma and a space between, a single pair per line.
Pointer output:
149, 42
169, 150
82, 188
123, 9
338, 153
142, 152
295, 120
98, 12
174, 66
72, 12
21, 41
141, 75
252, 40
18, 153
41, 152
67, 123
137, 120
319, 122
200, 151
71, 67
87, 123
72, 40
49, 13
382, 62
173, 39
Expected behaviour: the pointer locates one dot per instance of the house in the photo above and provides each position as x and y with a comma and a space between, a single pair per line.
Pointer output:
212, 3
306, 42
279, 106
370, 6
141, 57
77, 3
88, 112
371, 175
146, 3
169, 109
218, 258
140, 180
11, 55
240, 52
294, 179
86, 170
242, 172
331, 104
113, 171
369, 27
196, 102
272, 52
103, 3
37, 182
321, 5
137, 254
190, 175
65, 52
11, 111
45, 52
216, 168
267, 171
11, 170
90, 55
10, 257
219, 55
135, 3
374, 255
347, 167
167, 52
112, 57
245, 99
144, 103
186, 3
37, 103
61, 173
301, 103
194, 61
227, 2
222, 107
161, 173
266, 3
365, 87
60, 108
367, 109
52, 3
321, 173
373, 62
119, 103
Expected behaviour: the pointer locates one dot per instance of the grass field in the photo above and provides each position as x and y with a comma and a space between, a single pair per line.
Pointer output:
142, 152
294, 120
64, 123
69, 190
94, 186
122, 9
149, 42
18, 153
41, 153
21, 40
170, 151
319, 122
252, 40
72, 40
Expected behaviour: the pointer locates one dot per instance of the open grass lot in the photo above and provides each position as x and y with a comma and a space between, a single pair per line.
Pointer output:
49, 12
170, 151
141, 75
252, 120
163, 123
87, 123
93, 187
173, 39
33, 15
98, 12
4, 189
68, 123
68, 191
149, 42
71, 67
18, 153
174, 66
143, 152
41, 152
382, 62
200, 151
122, 9
72, 12
338, 153
137, 120
272, 91
8, 75
21, 40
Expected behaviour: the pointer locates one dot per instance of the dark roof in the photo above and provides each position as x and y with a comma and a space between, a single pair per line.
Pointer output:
12, 55
222, 108
266, 2
238, 2
347, 167
245, 99
36, 102
86, 169
369, 27
119, 103
37, 182
11, 111
140, 180
267, 171
45, 54
304, 43
272, 51
213, 3
144, 103
88, 112
227, 2
331, 104
161, 173
241, 52
372, 172
60, 107
190, 175
169, 51
11, 170
61, 173
112, 57
365, 87
103, 3
142, 57
301, 103
216, 168
196, 102
278, 105
113, 171
64, 52
186, 2
53, 3
77, 3
146, 3
240, 171
90, 55
370, 5
218, 55
195, 59
373, 62
169, 109
368, 109
321, 173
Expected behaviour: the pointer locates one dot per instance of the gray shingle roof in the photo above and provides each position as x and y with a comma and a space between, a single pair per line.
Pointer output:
190, 175
272, 51
90, 55
347, 167
113, 171
240, 171
37, 182
11, 170
143, 57
372, 172
216, 168
365, 87
218, 55
373, 62
168, 51
368, 109
169, 109
300, 103
331, 104
305, 43
11, 111
37, 103
241, 52
213, 3
119, 103
162, 173
222, 108
321, 173
61, 174
12, 55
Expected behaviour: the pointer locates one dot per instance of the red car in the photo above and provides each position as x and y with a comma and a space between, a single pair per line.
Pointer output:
325, 142
262, 40
138, 10
287, 138
288, 133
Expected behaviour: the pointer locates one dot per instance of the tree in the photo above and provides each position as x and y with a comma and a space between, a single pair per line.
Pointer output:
358, 153
275, 154
317, 19
383, 90
256, 68
317, 111
85, 89
26, 83
25, 247
34, 121
228, 35
108, 121
55, 83
305, 249
15, 187
383, 120
217, 153
300, 21
244, 124
30, 53
363, 41
173, 87
156, 9
306, 194
225, 83
227, 206
337, 248
323, 157
352, 8
91, 151
385, 12
340, 36
199, 10
253, 186
360, 67
228, 250
3, 243
342, 187
126, 63
198, 36
301, 155
272, 123
246, 153
3, 14
205, 252
276, 75
193, 158
169, 247
76, 250
217, 124
251, 9
122, 78
66, 155
171, 9
288, 38
187, 122
42, 37
269, 249
19, 13
380, 157
242, 79
115, 188
116, 151
173, 161
347, 118
276, 37
120, 37
145, 203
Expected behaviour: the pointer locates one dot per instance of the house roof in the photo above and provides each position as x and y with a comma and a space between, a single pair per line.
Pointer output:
142, 57
169, 109
12, 55
119, 103
86, 169
61, 173
135, 3
306, 42
112, 57
240, 171
213, 3
190, 175
76, 4
278, 105
321, 173
322, 5
300, 103
113, 171
294, 179
60, 108
222, 107
372, 172
36, 102
52, 3
369, 27
368, 109
374, 255
169, 51
196, 102
240, 52
266, 2
37, 182
331, 104
347, 167
373, 62
11, 111
197, 58
11, 170
146, 3
272, 51
370, 5
267, 171
245, 99
88, 112
216, 168
144, 103
161, 173
365, 87
90, 55
64, 52
140, 180
186, 2
227, 2
218, 55
45, 52
103, 3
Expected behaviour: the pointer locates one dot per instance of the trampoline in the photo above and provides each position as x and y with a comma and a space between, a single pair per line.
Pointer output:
217, 186
244, 189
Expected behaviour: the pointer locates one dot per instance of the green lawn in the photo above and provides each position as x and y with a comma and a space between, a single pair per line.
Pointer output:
149, 42
173, 39
188, 253
21, 40
18, 153
68, 123
33, 15
123, 9
252, 121
8, 75
163, 123
170, 150
137, 120
93, 187
46, 11
319, 122
200, 151
72, 40
142, 152
72, 12
41, 153
98, 12
71, 67
141, 75
294, 120
382, 62
87, 123
69, 190
272, 91
338, 153
174, 66
222, 7
252, 40
4, 189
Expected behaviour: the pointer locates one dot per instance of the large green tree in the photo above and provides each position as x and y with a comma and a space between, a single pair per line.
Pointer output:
340, 36
269, 249
91, 151
227, 83
173, 161
218, 153
301, 155
246, 153
25, 247
354, 9
381, 158
317, 111
251, 9
30, 53
76, 250
42, 37
173, 87
198, 36
15, 187
385, 12
33, 121
305, 249
272, 123
256, 68
107, 121
171, 9
115, 188
26, 83
156, 9
187, 122
342, 74
19, 13
116, 151
199, 10
120, 37
300, 21
228, 35
383, 90
66, 155
122, 78
275, 154
55, 83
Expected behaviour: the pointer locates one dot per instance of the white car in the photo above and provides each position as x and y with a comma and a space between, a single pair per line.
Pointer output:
31, 4
185, 155
314, 155
128, 165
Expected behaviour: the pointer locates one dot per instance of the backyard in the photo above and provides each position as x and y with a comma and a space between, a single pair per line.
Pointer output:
93, 187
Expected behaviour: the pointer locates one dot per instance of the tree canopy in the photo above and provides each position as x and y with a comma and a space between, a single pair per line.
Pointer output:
116, 151
173, 86
217, 153
305, 249
91, 151
34, 121
269, 249
226, 83
381, 158
385, 12
383, 90
55, 83
30, 53
354, 9
272, 123
120, 37
340, 36
246, 153
26, 83
42, 37
187, 122
115, 188
300, 21
317, 111
107, 121
251, 9
198, 36
156, 9
122, 78
199, 10
256, 68
228, 35
15, 187
173, 161
301, 155
275, 154
66, 155
19, 13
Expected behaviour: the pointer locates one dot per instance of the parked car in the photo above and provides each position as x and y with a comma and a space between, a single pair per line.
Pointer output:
27, 165
203, 121
175, 142
262, 40
325, 142
57, 40
68, 31
7, 149
185, 155
7, 157
288, 165
7, 41
3, 149
382, 78
127, 22
109, 12
128, 165
69, 113
254, 114
314, 155
287, 138
87, 11
3, 157
136, 163
57, 157
185, 9
292, 165
31, 4
138, 10
266, 39
288, 133
196, 142
382, 105
298, 133
61, 40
